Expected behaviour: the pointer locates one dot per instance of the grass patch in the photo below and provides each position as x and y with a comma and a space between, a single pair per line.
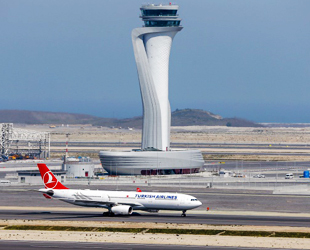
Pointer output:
248, 233
79, 229
184, 231
291, 235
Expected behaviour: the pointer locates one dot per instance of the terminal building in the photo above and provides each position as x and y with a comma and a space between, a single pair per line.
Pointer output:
152, 44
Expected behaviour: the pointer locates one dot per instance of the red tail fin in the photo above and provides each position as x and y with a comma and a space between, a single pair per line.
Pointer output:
139, 190
49, 179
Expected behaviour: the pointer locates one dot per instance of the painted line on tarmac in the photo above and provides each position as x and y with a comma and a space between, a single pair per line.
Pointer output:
257, 195
201, 212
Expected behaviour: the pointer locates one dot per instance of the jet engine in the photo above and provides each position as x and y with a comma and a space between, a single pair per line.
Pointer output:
122, 209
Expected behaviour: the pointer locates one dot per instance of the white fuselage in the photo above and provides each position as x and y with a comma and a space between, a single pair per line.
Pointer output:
137, 200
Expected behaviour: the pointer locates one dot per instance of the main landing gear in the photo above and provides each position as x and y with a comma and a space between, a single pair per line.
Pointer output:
109, 213
183, 213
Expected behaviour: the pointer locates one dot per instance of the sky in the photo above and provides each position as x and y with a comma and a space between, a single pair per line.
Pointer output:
235, 58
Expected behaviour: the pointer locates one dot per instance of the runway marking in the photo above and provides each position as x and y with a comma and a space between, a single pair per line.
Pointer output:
255, 195
197, 212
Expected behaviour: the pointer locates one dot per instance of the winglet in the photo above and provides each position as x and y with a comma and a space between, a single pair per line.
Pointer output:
139, 190
49, 179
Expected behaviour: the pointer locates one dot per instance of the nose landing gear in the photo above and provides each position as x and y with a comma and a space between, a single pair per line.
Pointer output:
183, 213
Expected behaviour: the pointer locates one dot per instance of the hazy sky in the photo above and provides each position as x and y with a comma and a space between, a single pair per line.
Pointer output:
236, 58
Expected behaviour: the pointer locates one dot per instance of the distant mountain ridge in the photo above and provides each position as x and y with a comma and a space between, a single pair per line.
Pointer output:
40, 117
183, 117
199, 117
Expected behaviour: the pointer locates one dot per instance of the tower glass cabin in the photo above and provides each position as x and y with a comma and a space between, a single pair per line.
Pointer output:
160, 15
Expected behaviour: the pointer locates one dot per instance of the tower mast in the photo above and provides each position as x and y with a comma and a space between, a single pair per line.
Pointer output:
152, 45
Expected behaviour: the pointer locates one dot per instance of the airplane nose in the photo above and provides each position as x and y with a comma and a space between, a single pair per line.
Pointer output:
199, 203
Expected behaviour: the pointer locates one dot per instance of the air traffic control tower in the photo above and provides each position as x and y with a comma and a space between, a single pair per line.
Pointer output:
152, 45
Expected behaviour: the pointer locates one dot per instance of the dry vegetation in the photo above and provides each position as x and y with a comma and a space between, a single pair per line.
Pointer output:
190, 134
266, 140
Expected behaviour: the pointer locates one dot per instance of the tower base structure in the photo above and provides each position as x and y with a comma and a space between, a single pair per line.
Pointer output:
151, 162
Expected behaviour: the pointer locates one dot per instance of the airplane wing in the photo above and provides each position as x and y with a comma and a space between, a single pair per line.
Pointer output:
107, 203
94, 202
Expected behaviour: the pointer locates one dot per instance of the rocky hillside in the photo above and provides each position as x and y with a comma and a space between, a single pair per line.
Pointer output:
199, 117
183, 117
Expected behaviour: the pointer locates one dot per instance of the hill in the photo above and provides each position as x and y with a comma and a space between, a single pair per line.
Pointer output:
199, 117
39, 117
183, 117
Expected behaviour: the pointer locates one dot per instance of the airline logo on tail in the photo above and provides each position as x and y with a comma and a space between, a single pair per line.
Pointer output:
49, 179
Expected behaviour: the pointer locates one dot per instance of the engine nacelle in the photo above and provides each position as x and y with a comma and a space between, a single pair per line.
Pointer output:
122, 209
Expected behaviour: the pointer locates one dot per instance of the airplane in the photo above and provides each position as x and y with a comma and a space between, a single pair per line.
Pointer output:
117, 202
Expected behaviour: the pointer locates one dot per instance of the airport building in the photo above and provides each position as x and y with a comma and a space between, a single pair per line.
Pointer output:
151, 162
78, 167
152, 45
34, 176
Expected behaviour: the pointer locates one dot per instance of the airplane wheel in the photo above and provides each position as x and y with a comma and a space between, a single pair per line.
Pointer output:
108, 214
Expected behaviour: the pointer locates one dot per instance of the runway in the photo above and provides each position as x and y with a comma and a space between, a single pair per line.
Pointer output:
228, 207
211, 219
215, 199
46, 245
237, 207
